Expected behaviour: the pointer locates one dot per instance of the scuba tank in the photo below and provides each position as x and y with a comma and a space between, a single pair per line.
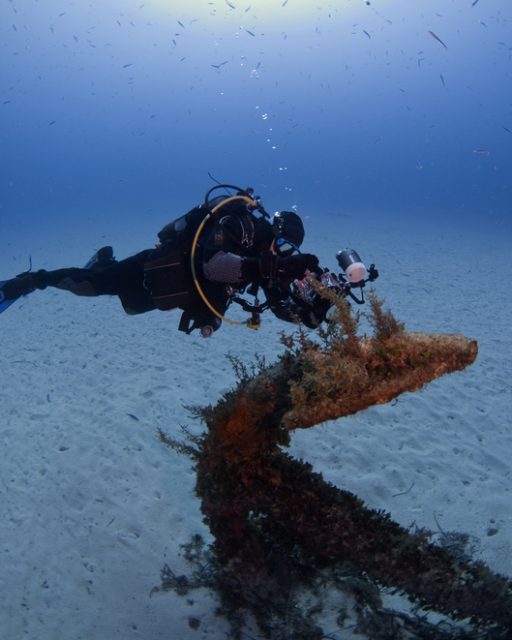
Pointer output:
180, 232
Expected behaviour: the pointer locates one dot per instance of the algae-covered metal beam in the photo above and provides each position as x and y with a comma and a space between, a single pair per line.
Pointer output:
274, 519
315, 385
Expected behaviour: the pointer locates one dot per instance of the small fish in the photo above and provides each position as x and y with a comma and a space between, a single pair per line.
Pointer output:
506, 128
181, 24
442, 80
367, 34
8, 102
52, 122
133, 417
481, 152
218, 66
438, 39
284, 3
125, 66
250, 33
474, 3
230, 5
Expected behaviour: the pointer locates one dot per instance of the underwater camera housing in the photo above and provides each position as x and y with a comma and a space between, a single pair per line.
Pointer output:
354, 276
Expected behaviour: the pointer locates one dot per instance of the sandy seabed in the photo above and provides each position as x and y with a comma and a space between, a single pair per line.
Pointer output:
93, 504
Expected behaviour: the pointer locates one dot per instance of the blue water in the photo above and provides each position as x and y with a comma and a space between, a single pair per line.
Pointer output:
121, 109
387, 124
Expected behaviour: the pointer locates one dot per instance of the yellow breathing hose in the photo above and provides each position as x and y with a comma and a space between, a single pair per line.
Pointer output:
207, 217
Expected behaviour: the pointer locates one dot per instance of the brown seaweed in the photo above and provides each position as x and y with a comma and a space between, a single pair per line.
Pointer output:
277, 523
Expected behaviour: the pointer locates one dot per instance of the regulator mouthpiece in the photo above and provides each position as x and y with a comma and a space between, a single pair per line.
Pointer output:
351, 264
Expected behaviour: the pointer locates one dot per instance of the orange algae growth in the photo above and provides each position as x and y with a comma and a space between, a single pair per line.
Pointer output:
276, 523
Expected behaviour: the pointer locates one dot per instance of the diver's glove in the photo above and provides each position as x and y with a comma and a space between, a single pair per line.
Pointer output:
270, 266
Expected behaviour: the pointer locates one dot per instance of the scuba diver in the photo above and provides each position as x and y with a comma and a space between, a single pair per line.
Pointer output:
205, 260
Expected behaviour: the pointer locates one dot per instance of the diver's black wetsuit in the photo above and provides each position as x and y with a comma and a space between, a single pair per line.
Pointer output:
229, 255
124, 279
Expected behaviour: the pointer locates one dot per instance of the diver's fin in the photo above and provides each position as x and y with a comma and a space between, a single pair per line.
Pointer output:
4, 304
102, 258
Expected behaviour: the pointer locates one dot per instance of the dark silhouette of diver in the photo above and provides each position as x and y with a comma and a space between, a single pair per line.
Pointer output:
204, 260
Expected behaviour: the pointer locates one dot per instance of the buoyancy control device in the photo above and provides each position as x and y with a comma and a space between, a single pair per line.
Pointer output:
171, 276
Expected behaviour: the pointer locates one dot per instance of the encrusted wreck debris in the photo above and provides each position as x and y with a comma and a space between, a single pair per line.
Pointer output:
277, 524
